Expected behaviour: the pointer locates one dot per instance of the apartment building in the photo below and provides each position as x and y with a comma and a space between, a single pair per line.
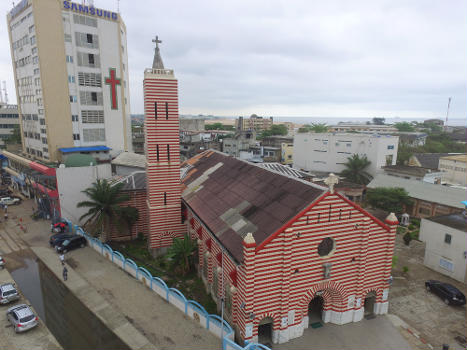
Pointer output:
454, 169
329, 151
254, 123
8, 121
71, 72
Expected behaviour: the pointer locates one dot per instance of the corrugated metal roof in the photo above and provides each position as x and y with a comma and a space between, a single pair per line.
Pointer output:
422, 190
130, 159
233, 197
84, 149
134, 181
285, 170
457, 221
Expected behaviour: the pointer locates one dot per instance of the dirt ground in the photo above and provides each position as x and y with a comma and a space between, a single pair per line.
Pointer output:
435, 321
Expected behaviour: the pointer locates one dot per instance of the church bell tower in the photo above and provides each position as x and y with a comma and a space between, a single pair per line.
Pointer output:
162, 143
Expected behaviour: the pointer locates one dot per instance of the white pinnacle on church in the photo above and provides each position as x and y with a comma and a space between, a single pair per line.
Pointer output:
249, 239
331, 180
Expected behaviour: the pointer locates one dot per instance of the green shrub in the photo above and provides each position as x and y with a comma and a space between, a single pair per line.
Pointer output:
415, 221
400, 230
394, 261
411, 227
414, 234
407, 238
405, 269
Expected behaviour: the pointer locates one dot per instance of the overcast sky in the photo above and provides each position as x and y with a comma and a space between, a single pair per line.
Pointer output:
298, 58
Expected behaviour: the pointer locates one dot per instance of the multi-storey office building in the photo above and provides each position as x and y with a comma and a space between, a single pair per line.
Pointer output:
8, 121
71, 70
329, 152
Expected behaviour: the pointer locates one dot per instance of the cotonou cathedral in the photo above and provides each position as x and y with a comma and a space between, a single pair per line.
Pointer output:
283, 253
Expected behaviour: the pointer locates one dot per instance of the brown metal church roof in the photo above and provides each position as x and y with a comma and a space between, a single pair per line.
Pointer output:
233, 197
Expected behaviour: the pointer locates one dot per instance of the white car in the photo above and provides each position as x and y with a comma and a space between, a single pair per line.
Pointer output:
21, 317
9, 201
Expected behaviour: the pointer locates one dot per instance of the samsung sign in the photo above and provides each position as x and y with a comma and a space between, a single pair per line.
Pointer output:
89, 10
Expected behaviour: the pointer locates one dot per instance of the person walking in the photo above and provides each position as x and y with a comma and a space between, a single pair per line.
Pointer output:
62, 259
65, 274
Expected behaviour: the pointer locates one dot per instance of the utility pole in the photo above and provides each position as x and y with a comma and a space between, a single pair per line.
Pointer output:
447, 112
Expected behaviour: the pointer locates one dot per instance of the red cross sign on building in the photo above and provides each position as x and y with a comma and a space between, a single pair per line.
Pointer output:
113, 82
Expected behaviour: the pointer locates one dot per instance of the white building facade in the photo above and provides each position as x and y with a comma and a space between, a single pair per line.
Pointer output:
446, 245
71, 70
328, 152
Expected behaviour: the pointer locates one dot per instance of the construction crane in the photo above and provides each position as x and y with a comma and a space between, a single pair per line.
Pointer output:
4, 92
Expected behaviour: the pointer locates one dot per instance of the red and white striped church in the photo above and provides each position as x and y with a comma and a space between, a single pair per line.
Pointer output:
284, 254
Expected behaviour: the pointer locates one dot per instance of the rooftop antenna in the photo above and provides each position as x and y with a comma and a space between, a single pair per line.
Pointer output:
118, 6
1, 97
447, 112
4, 91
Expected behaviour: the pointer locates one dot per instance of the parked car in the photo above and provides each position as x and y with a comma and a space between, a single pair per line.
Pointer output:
71, 243
8, 293
9, 201
59, 238
446, 291
2, 262
22, 318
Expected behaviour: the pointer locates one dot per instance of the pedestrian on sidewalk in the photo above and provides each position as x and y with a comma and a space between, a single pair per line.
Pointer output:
62, 259
6, 216
65, 274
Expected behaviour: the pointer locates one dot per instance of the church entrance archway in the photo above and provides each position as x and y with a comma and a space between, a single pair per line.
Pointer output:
265, 328
369, 304
315, 310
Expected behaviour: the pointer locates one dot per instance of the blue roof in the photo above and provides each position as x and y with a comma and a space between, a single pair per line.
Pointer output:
84, 149
464, 202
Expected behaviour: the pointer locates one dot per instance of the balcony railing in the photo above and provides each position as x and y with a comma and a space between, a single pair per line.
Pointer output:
159, 71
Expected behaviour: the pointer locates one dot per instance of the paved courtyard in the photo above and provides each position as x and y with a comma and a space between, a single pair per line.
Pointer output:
436, 322
377, 333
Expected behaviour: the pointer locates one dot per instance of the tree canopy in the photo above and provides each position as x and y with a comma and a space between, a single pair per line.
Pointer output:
276, 129
392, 199
181, 253
355, 169
314, 127
404, 126
15, 136
378, 121
104, 203
219, 126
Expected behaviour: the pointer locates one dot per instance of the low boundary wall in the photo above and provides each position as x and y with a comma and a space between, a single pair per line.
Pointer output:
194, 310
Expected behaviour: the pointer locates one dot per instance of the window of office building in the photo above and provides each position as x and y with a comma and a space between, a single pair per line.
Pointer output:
90, 79
93, 135
92, 117
90, 98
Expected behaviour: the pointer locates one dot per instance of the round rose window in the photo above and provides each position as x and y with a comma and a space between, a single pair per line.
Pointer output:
326, 246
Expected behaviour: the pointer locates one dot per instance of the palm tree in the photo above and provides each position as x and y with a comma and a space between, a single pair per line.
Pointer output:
181, 252
355, 171
104, 207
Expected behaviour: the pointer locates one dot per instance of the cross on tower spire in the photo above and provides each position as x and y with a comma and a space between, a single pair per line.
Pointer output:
157, 41
157, 61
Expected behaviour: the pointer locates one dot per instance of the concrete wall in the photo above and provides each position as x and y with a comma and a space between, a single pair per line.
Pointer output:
441, 256
454, 172
191, 124
70, 183
329, 152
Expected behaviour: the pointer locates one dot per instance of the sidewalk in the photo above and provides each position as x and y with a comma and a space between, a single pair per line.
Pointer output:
161, 323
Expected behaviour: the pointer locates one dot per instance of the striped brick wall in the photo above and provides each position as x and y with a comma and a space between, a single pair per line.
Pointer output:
163, 159
279, 278
138, 201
